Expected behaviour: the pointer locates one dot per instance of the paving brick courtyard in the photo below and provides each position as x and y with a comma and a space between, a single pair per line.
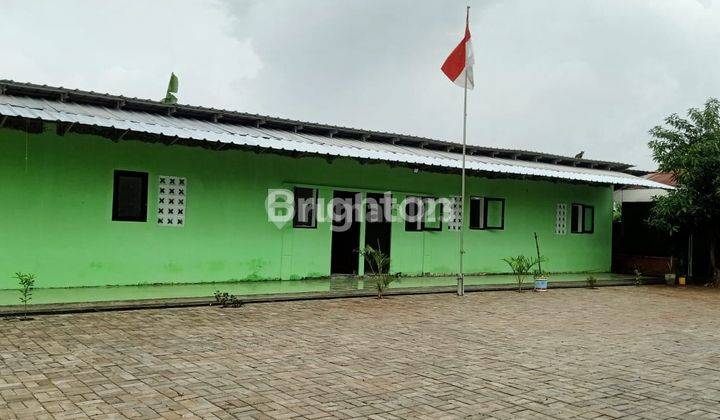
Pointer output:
630, 352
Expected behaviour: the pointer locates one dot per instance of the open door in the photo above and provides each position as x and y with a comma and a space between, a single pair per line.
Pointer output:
377, 224
345, 234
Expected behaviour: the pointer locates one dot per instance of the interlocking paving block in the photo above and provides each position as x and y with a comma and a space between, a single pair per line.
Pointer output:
626, 352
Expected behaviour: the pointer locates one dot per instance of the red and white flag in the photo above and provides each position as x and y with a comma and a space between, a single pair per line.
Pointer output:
458, 67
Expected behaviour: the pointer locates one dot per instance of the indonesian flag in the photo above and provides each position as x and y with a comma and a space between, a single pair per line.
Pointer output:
458, 67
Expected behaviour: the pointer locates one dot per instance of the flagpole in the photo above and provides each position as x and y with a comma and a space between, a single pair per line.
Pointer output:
461, 276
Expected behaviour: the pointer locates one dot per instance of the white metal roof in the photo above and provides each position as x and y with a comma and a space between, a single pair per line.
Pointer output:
282, 140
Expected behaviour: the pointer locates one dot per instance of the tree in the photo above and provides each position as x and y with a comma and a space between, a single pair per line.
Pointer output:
690, 149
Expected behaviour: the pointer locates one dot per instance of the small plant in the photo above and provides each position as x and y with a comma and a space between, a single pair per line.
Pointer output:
617, 212
379, 264
670, 273
521, 267
226, 300
27, 283
591, 282
638, 276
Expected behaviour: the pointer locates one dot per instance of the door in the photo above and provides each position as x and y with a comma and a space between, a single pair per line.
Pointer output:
345, 246
377, 225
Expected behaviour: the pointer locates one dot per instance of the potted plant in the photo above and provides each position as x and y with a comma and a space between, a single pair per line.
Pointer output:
541, 278
670, 276
541, 281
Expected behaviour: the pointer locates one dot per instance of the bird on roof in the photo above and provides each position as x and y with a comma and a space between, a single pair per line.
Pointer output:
580, 155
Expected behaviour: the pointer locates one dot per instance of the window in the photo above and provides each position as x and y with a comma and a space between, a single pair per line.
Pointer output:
582, 219
494, 213
413, 214
487, 213
423, 214
130, 192
305, 204
432, 214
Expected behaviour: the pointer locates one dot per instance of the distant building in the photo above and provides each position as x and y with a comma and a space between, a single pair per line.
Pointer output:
634, 194
637, 245
98, 189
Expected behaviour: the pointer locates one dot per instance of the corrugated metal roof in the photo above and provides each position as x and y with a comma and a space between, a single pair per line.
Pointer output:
667, 178
282, 140
53, 93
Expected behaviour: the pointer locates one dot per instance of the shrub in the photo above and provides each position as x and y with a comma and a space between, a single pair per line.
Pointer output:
226, 300
638, 276
521, 267
591, 282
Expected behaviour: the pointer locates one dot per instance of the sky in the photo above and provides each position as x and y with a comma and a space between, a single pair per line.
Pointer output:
557, 76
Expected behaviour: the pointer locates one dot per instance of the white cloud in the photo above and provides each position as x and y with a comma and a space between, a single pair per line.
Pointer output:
558, 75
127, 48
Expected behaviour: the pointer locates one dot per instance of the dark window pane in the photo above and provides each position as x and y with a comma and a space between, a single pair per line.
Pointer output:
305, 207
476, 218
413, 217
130, 196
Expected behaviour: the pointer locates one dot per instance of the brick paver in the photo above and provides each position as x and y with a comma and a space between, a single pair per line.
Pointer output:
626, 352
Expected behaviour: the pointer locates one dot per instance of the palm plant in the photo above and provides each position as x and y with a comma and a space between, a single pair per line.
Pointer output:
521, 267
379, 265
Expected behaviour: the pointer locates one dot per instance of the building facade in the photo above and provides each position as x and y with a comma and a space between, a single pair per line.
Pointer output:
89, 203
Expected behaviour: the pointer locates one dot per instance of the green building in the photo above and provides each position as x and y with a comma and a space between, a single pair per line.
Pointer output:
106, 190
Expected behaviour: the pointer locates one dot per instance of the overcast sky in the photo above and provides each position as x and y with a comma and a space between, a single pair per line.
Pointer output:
555, 75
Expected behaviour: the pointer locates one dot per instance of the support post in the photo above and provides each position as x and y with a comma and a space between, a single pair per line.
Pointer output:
461, 274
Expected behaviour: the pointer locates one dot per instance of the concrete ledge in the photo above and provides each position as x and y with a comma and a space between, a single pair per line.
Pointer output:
125, 305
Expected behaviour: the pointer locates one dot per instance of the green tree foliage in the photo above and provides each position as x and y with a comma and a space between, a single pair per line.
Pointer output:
172, 90
690, 148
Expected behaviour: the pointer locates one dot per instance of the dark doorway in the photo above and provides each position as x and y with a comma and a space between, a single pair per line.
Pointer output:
346, 233
377, 224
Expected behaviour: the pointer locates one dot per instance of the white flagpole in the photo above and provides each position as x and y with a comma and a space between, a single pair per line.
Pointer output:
461, 276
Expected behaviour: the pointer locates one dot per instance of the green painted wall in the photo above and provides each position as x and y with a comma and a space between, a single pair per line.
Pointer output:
55, 216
